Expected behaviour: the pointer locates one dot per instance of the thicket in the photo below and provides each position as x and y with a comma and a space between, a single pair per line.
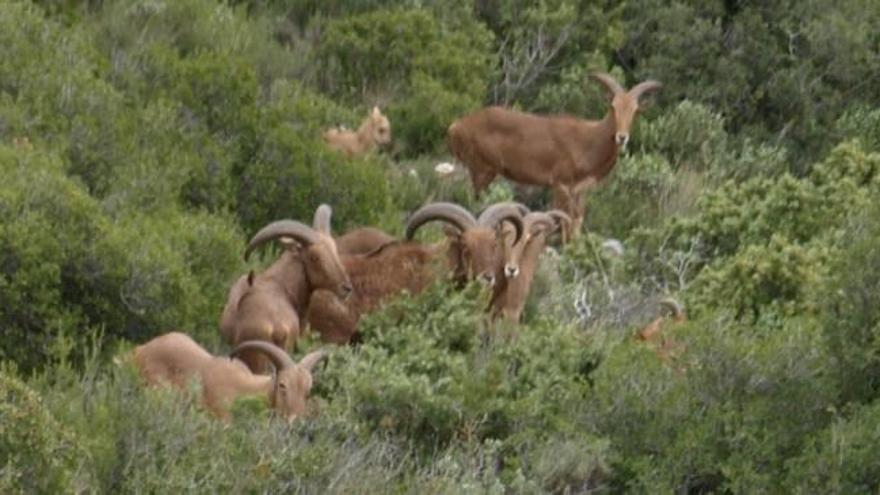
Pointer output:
142, 142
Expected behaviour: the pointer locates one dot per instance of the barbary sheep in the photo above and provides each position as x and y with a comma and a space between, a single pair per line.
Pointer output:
374, 131
567, 154
271, 306
362, 240
471, 252
176, 359
664, 346
521, 261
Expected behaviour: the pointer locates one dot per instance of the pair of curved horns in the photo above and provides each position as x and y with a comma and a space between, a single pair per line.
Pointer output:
300, 232
280, 359
615, 88
463, 220
674, 306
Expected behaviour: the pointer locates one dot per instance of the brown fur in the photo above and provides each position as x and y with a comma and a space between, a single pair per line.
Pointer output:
270, 306
374, 131
665, 346
521, 262
473, 253
362, 240
567, 154
176, 359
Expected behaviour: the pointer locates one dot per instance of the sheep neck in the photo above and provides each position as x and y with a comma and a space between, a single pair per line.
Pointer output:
289, 272
364, 135
603, 154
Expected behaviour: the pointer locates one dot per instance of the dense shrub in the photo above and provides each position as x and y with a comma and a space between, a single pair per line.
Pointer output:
38, 454
293, 171
412, 58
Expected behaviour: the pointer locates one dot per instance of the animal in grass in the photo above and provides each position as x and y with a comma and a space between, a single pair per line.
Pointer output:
656, 333
471, 251
521, 261
374, 131
567, 154
271, 306
175, 358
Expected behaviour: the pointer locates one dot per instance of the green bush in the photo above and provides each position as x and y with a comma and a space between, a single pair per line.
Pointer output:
432, 72
293, 171
842, 458
38, 454
67, 267
724, 415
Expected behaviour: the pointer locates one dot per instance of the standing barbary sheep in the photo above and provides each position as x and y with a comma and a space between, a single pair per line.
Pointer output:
175, 358
521, 261
269, 306
567, 154
374, 131
472, 252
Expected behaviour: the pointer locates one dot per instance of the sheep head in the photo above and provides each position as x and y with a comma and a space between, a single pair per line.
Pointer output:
475, 249
624, 104
536, 225
314, 246
292, 382
379, 127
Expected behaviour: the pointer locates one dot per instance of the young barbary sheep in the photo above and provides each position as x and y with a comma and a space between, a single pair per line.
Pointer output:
564, 153
176, 359
271, 305
374, 131
665, 346
521, 261
471, 252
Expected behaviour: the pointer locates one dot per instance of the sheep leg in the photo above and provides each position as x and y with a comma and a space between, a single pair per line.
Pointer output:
563, 200
481, 180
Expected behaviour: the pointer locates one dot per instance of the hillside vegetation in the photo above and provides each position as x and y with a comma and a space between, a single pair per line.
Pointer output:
142, 142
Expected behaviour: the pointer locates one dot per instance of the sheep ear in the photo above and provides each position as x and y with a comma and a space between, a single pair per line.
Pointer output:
250, 278
376, 112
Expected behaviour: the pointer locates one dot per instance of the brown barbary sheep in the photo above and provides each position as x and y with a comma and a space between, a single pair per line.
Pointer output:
176, 359
363, 240
665, 346
521, 262
271, 305
374, 131
567, 154
471, 252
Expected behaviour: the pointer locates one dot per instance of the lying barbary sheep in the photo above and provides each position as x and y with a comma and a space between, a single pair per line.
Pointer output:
665, 346
374, 131
176, 359
472, 251
270, 306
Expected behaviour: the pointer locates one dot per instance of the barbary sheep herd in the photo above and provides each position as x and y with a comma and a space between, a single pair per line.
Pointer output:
328, 283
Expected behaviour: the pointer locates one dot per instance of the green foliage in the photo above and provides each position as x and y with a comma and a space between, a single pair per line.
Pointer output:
723, 415
37, 453
842, 458
67, 266
293, 171
435, 71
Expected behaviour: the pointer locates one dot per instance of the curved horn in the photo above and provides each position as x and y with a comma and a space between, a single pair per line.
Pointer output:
447, 212
311, 359
562, 219
507, 211
674, 306
275, 354
290, 228
540, 219
608, 82
644, 87
322, 219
